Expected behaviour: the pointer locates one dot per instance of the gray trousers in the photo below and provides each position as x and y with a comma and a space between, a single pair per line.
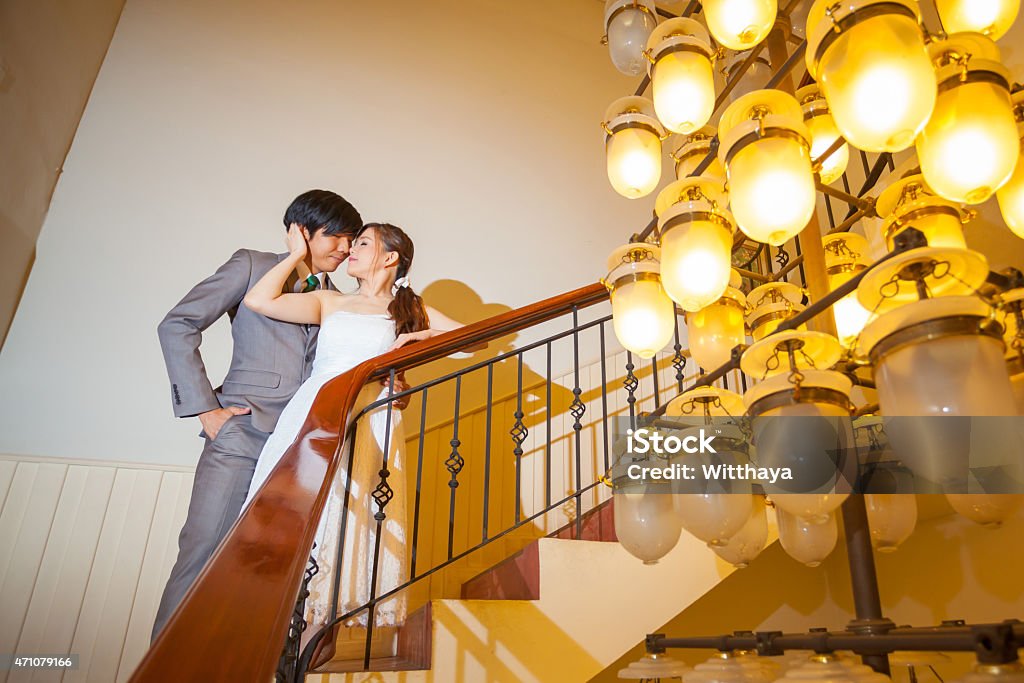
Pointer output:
221, 484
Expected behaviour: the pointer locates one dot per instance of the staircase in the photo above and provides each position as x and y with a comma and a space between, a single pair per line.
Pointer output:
561, 609
502, 588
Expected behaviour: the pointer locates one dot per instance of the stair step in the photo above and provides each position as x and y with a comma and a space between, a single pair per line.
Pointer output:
403, 648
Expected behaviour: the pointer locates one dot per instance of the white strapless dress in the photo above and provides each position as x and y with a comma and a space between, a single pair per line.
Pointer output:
345, 340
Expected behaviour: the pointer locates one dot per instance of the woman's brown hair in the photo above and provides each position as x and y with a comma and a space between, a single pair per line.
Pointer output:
407, 309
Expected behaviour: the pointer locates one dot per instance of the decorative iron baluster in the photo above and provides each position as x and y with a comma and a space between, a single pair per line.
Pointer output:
604, 402
631, 383
577, 409
678, 359
519, 433
382, 495
419, 487
454, 464
487, 449
287, 667
547, 444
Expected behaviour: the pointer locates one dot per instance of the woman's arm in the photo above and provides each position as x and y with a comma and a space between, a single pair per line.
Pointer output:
439, 323
265, 296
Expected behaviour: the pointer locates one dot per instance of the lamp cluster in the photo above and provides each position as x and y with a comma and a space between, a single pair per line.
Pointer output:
876, 81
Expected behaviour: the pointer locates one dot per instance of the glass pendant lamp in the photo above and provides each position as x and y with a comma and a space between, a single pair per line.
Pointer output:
891, 517
969, 147
990, 17
845, 256
740, 24
746, 544
870, 60
654, 667
696, 241
756, 76
716, 329
1011, 195
824, 133
987, 509
765, 148
911, 202
627, 25
689, 151
643, 316
806, 542
633, 146
645, 520
1012, 672
772, 304
682, 78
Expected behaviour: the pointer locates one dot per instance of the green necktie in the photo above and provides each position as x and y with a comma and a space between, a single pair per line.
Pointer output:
312, 282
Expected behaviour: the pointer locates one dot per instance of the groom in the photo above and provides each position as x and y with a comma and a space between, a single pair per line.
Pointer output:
269, 360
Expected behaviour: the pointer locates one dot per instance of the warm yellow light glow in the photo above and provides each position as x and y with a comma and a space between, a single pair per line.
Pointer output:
911, 202
804, 541
695, 262
1011, 200
970, 146
991, 17
823, 133
714, 330
877, 78
740, 24
689, 151
634, 162
891, 518
849, 315
643, 317
684, 90
772, 189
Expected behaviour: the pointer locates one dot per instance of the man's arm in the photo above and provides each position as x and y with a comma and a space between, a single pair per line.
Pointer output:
181, 333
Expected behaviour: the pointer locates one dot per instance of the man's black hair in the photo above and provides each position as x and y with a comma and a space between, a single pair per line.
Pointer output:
324, 210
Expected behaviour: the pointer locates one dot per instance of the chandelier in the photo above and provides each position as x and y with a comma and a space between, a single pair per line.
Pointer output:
890, 317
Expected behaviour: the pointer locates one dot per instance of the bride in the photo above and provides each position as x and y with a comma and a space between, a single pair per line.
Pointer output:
383, 314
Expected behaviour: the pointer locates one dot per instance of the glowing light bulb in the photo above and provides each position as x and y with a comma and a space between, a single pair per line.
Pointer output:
643, 316
824, 133
696, 241
876, 75
715, 330
990, 17
765, 148
682, 79
634, 162
1011, 200
969, 148
740, 24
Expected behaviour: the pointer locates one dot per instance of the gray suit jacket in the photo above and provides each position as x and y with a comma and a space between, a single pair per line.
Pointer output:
269, 360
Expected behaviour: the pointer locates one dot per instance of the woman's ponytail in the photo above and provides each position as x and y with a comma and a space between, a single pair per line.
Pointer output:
407, 309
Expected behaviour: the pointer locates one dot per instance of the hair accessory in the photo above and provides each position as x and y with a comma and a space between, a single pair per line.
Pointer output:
399, 284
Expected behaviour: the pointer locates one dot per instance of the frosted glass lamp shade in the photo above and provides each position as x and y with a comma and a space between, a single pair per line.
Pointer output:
807, 542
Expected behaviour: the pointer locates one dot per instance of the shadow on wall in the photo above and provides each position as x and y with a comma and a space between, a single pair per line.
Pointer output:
459, 302
19, 254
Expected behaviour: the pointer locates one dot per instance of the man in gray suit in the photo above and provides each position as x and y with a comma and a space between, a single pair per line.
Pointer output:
270, 359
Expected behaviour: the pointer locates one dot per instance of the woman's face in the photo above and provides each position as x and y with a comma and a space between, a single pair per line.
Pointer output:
366, 256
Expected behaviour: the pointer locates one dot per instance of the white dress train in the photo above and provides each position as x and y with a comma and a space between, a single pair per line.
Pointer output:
345, 340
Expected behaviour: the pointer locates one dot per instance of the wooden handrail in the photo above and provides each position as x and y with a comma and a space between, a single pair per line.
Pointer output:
232, 623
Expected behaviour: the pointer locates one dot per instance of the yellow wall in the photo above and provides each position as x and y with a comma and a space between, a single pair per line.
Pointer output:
950, 568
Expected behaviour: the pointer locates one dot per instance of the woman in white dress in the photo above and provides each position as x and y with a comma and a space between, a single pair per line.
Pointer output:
383, 314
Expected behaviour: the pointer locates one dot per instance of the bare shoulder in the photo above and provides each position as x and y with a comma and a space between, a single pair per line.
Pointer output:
332, 301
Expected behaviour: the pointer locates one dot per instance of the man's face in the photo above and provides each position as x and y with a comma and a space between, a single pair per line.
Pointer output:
327, 252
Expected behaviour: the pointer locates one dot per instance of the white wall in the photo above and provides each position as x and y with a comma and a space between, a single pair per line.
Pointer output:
473, 125
85, 551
